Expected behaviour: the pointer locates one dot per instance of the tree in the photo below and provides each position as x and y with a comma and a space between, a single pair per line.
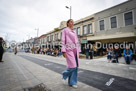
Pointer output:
56, 29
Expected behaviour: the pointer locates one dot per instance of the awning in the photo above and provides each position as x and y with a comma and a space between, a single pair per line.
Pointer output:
115, 36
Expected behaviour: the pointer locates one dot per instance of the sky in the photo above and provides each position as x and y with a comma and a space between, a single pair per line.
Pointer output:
19, 19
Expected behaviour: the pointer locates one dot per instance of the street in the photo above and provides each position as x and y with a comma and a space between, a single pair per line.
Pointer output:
26, 70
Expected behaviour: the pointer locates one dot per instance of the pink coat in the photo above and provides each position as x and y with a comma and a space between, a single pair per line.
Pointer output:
71, 46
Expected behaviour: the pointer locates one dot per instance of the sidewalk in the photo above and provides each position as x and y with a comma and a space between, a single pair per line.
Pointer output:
14, 76
18, 73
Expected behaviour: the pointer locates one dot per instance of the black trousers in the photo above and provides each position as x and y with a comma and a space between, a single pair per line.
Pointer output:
127, 61
91, 55
1, 55
116, 57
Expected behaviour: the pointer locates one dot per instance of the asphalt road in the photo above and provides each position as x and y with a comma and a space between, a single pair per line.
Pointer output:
104, 82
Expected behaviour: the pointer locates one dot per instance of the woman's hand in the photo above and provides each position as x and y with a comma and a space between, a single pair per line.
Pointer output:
64, 54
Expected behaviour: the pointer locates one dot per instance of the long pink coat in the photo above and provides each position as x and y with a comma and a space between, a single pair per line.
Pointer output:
71, 46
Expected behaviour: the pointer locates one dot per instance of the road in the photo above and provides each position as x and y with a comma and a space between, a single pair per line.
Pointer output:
96, 74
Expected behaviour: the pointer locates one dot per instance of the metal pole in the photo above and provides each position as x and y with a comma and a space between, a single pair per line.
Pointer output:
70, 8
37, 31
70, 11
28, 36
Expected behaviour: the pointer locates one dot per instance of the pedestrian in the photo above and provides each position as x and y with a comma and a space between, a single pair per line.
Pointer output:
127, 54
70, 49
1, 49
135, 54
95, 50
15, 50
91, 52
110, 53
87, 51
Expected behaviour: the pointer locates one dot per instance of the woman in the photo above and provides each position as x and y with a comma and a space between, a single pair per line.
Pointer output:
110, 54
117, 53
127, 54
70, 49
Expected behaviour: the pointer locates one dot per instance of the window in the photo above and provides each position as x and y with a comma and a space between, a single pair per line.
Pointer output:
51, 37
84, 29
48, 38
128, 17
89, 28
113, 22
60, 35
101, 25
78, 31
57, 36
44, 40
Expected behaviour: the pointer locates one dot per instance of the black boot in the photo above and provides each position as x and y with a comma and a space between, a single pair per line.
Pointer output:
1, 61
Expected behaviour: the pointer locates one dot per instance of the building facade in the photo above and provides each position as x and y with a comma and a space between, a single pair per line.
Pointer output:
113, 25
43, 40
116, 24
84, 28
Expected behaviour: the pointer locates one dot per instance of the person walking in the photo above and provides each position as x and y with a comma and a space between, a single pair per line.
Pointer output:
87, 51
1, 49
70, 49
15, 50
91, 52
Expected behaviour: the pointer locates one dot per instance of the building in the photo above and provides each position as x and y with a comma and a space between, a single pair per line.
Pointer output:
113, 25
32, 42
116, 24
84, 29
54, 37
43, 40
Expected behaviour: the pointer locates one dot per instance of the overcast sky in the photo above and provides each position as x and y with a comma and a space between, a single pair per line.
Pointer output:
20, 18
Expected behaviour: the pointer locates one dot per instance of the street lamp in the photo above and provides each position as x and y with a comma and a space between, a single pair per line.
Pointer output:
37, 31
28, 36
70, 10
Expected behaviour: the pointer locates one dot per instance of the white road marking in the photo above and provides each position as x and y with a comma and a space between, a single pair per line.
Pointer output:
58, 67
80, 71
48, 64
132, 68
110, 82
87, 62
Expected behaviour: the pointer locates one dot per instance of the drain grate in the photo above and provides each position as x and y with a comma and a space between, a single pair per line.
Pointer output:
39, 87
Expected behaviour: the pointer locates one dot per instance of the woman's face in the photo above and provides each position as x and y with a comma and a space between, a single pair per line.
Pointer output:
71, 23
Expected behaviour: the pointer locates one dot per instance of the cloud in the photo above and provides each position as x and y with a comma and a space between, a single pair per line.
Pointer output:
19, 18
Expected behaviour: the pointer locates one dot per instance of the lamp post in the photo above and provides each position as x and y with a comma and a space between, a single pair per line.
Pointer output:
28, 36
70, 10
37, 31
